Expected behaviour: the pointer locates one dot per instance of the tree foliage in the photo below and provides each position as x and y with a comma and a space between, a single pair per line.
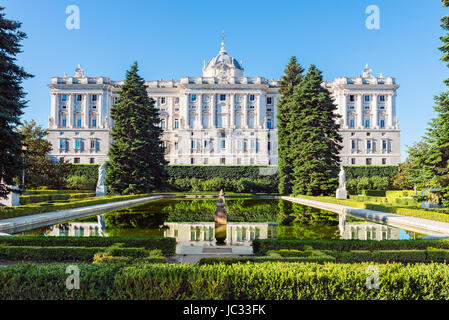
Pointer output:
40, 169
11, 102
286, 85
136, 157
314, 137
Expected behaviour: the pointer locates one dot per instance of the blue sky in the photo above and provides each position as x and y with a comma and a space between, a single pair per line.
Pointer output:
170, 39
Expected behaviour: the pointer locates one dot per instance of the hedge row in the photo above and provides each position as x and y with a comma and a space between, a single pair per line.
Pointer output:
383, 256
166, 245
40, 192
262, 246
26, 199
226, 172
232, 260
353, 172
276, 281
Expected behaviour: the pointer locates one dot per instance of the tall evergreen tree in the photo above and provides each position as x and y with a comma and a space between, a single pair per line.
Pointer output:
11, 101
436, 159
291, 78
315, 139
136, 157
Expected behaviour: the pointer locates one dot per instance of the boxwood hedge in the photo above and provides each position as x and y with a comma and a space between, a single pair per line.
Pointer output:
166, 245
276, 281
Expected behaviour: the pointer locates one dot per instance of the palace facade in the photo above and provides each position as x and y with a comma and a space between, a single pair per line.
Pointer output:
222, 117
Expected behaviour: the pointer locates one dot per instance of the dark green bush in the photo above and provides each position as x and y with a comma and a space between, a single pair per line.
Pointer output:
52, 197
27, 253
353, 172
253, 281
374, 193
166, 245
262, 246
319, 258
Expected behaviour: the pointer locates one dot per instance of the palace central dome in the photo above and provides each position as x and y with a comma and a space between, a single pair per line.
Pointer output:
223, 65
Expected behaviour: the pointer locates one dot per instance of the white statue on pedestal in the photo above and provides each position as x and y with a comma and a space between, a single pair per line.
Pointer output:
13, 198
101, 190
341, 191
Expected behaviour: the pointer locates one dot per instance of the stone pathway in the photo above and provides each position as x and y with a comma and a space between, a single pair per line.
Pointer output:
25, 223
426, 226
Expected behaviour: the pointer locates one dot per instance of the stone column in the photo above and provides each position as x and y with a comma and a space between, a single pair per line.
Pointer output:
344, 110
70, 111
390, 110
245, 112
86, 123
55, 110
213, 110
232, 113
375, 111
100, 121
359, 111
262, 110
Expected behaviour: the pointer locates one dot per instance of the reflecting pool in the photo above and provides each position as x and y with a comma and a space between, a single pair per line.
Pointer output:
191, 222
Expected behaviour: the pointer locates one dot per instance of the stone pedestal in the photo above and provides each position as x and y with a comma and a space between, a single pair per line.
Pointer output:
341, 194
13, 198
101, 191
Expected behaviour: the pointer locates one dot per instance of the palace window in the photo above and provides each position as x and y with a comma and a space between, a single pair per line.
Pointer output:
368, 144
176, 123
76, 160
384, 160
205, 161
222, 144
177, 100
222, 97
351, 98
367, 123
382, 98
253, 144
353, 145
162, 100
269, 100
64, 97
352, 160
269, 146
223, 161
382, 123
176, 145
77, 144
368, 161
62, 144
366, 107
94, 97
91, 160
269, 123
192, 144
193, 97
351, 123
163, 124
64, 122
94, 122
192, 160
366, 98
79, 97
384, 144
93, 143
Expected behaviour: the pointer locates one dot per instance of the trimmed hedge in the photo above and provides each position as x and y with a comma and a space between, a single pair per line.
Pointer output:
271, 281
353, 172
166, 245
319, 258
52, 197
384, 256
40, 192
227, 172
262, 246
89, 171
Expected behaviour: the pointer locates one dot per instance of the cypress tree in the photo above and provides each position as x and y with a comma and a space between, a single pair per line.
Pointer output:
136, 157
315, 140
287, 83
11, 102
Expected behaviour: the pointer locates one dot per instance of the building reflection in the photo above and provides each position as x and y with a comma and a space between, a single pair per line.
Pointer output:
203, 233
366, 231
79, 229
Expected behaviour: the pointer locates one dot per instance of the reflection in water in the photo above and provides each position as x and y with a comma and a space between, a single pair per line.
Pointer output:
204, 233
192, 222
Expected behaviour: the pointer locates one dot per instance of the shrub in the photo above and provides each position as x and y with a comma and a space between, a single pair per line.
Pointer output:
166, 245
80, 183
318, 258
270, 281
28, 253
262, 246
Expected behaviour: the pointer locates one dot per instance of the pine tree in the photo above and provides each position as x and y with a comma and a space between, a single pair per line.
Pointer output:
315, 139
136, 157
11, 102
436, 159
287, 83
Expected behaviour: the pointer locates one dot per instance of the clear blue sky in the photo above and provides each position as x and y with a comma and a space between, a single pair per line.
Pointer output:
170, 39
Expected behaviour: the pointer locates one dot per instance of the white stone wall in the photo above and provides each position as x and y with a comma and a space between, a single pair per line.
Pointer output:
222, 120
